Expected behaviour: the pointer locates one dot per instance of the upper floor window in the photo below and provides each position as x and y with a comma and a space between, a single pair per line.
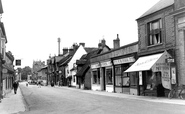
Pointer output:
154, 32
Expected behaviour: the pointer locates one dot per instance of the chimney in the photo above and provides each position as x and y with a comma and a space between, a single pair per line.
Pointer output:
65, 50
103, 42
83, 44
179, 4
116, 42
71, 50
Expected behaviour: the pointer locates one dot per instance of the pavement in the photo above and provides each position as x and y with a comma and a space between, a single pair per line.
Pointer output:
9, 105
12, 103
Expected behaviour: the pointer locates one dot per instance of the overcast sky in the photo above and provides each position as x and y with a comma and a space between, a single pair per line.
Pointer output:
33, 26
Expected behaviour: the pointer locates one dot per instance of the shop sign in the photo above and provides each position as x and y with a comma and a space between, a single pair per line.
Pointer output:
124, 60
170, 60
140, 78
93, 66
104, 64
166, 77
173, 81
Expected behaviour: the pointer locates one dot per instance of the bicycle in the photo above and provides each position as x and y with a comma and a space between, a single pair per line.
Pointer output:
177, 92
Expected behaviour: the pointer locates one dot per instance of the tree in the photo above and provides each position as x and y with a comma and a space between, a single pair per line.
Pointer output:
25, 72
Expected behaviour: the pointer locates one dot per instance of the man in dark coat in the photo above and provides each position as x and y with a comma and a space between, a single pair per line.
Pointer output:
15, 86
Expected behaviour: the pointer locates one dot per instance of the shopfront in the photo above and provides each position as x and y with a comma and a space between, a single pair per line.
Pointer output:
123, 79
107, 76
154, 74
95, 76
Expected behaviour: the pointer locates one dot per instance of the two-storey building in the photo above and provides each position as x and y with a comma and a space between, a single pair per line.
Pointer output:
161, 48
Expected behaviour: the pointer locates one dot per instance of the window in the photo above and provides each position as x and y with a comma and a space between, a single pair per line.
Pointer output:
109, 76
133, 79
96, 77
121, 78
118, 75
154, 32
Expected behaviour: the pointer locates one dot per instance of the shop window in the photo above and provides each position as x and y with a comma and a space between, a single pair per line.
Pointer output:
73, 78
133, 78
126, 80
109, 76
96, 77
118, 75
153, 79
154, 32
121, 78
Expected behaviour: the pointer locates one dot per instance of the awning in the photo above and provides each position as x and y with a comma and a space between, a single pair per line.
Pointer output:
148, 62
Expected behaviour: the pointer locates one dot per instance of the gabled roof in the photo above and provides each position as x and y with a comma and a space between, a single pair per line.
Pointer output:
65, 60
87, 57
158, 6
3, 30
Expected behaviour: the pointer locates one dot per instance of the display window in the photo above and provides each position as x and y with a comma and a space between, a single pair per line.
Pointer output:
121, 78
153, 79
96, 77
133, 79
109, 76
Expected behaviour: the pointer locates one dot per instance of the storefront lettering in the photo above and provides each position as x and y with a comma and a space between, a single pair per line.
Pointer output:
104, 64
93, 66
124, 60
147, 61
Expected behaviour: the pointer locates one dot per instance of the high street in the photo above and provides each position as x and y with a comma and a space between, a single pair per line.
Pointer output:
63, 100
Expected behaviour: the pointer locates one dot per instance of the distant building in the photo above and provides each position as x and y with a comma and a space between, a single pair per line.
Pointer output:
37, 65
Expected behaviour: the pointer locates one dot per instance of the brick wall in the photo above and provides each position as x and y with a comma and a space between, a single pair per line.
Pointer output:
167, 31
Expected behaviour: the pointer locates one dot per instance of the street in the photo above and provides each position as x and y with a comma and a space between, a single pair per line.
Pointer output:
61, 100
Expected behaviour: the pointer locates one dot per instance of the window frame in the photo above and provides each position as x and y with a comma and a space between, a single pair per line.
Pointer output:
154, 36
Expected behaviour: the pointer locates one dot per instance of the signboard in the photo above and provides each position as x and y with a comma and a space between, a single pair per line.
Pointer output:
105, 64
93, 66
173, 79
170, 60
166, 77
140, 78
18, 62
124, 60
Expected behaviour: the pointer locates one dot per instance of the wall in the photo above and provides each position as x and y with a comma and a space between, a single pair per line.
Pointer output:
168, 31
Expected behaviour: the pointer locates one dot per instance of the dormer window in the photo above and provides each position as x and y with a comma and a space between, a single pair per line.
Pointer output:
154, 32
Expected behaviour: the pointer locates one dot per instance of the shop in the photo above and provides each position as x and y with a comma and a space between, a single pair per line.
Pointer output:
154, 73
95, 76
124, 82
107, 76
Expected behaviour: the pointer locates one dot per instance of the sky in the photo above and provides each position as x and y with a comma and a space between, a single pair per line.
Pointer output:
33, 26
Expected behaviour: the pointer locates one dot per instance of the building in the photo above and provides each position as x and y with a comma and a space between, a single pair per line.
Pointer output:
42, 75
107, 69
8, 73
83, 69
161, 48
37, 65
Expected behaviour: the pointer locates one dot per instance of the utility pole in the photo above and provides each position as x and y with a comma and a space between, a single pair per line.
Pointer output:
58, 46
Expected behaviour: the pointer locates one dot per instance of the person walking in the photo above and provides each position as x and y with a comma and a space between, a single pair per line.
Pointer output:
39, 84
15, 86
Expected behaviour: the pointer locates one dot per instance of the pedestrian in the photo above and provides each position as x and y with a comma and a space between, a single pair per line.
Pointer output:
39, 84
52, 84
15, 86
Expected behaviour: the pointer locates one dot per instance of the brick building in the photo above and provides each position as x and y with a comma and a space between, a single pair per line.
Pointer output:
161, 48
